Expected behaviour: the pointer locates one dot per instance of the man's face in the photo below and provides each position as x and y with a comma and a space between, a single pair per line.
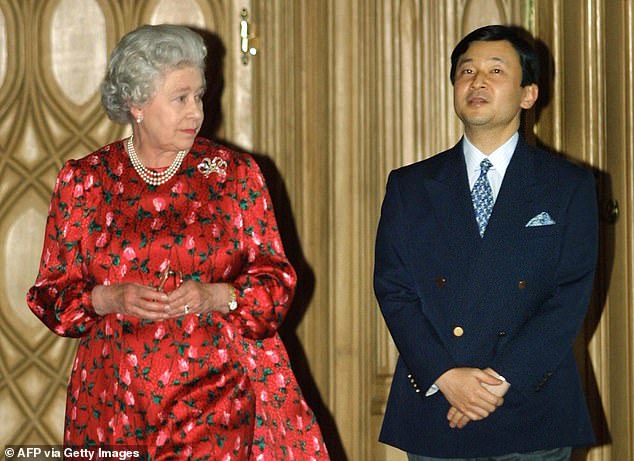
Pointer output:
487, 88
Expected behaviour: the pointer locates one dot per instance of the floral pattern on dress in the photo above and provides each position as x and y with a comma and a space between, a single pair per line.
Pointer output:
206, 386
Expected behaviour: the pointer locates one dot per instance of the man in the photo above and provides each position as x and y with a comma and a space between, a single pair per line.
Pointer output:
485, 259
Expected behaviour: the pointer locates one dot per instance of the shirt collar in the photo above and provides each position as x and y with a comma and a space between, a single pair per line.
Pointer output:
500, 157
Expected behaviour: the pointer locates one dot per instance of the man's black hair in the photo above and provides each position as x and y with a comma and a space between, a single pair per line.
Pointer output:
528, 57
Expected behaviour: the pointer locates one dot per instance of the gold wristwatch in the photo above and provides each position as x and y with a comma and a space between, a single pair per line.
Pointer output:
232, 304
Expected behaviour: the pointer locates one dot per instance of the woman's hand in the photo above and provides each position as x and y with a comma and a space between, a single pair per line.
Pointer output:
147, 303
130, 299
196, 297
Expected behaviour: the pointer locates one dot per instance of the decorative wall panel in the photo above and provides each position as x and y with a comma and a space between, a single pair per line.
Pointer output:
338, 94
180, 12
618, 282
589, 118
72, 44
478, 13
3, 48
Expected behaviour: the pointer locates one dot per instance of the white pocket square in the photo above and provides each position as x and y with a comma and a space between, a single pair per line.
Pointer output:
542, 219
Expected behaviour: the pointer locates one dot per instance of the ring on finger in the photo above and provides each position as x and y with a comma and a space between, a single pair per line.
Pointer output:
186, 309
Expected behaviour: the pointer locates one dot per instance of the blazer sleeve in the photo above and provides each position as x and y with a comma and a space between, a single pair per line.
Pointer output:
417, 341
532, 356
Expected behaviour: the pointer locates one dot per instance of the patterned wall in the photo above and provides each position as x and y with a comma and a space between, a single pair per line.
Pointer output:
339, 93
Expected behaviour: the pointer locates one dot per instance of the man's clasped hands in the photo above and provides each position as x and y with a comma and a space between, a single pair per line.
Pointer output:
473, 393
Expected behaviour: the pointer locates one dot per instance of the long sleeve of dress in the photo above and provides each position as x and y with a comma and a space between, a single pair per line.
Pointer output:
267, 281
61, 296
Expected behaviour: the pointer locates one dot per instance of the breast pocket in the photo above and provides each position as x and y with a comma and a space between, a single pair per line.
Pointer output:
537, 253
541, 231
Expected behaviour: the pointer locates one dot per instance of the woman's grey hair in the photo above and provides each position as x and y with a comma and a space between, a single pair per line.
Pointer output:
141, 59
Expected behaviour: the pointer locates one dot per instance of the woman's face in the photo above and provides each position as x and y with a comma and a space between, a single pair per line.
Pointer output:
173, 117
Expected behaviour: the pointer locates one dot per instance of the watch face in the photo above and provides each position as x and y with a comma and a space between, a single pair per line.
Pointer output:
233, 303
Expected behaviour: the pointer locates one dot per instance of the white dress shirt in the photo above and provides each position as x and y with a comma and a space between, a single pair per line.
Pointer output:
500, 158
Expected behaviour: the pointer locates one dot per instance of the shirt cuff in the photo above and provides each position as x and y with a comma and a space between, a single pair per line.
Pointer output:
432, 390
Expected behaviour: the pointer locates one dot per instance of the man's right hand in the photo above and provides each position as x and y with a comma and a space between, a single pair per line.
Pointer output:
465, 390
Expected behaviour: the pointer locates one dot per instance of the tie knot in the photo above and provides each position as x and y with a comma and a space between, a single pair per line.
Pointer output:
485, 166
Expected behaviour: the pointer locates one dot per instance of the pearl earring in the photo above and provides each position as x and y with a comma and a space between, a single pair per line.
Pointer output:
139, 119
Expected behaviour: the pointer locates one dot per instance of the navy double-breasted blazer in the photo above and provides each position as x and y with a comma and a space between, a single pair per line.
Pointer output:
513, 301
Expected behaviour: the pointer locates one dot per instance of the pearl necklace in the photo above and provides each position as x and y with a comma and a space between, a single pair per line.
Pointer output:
154, 178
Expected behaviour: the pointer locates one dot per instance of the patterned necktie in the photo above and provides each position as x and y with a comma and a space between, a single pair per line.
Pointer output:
482, 196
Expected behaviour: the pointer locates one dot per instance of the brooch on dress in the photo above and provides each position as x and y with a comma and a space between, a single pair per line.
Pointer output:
217, 165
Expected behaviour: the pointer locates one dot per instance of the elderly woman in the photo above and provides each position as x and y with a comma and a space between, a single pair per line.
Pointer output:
162, 255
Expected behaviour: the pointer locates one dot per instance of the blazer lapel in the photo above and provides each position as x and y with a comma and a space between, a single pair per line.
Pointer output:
450, 197
517, 191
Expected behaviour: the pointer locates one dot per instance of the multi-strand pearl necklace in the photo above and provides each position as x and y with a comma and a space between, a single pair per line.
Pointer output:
154, 178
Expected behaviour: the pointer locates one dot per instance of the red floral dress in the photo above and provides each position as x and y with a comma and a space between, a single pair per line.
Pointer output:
202, 386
